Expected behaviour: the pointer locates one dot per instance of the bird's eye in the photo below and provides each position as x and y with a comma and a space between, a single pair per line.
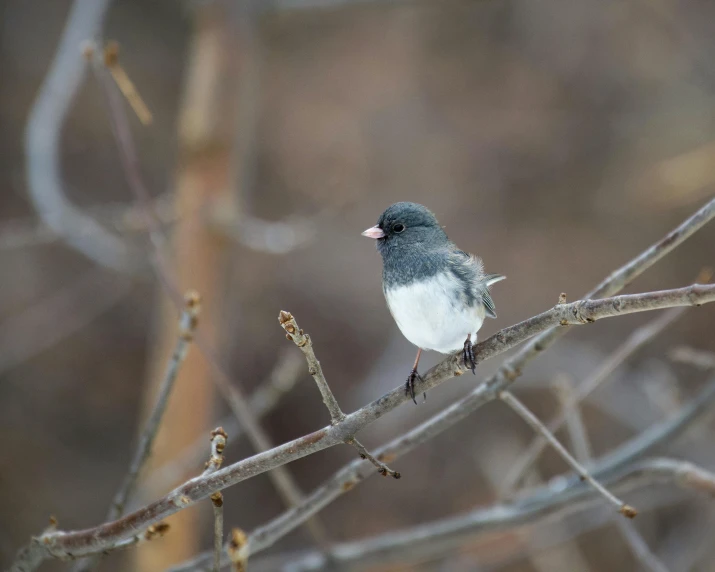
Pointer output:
398, 228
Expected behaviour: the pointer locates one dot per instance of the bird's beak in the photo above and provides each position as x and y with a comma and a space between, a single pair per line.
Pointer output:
374, 232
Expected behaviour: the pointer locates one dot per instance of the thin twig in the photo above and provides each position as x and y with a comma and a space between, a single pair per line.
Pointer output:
303, 341
637, 339
524, 412
218, 444
105, 536
698, 358
574, 421
126, 85
382, 468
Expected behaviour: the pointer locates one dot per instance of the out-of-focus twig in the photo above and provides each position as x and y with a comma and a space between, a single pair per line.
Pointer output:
126, 85
187, 327
524, 412
42, 145
238, 550
264, 399
698, 358
303, 341
218, 444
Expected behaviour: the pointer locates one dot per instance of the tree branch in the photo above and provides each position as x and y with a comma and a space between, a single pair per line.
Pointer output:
352, 474
187, 326
635, 341
582, 445
303, 341
548, 501
106, 536
42, 149
532, 420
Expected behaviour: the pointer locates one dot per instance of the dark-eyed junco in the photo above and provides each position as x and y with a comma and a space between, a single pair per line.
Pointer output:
437, 293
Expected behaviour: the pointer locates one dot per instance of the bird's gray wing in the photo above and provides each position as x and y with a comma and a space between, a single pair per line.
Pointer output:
471, 268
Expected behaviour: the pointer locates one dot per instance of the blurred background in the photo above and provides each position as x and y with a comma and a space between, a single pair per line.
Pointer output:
555, 139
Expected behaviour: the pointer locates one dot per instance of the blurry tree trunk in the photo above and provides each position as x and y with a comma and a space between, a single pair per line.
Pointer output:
207, 118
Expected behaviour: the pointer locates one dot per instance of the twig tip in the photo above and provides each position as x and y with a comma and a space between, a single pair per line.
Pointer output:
111, 53
628, 511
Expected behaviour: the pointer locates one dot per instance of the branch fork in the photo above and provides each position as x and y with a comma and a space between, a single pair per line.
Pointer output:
303, 341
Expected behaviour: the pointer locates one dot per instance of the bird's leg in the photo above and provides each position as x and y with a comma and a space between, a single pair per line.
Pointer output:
410, 385
469, 360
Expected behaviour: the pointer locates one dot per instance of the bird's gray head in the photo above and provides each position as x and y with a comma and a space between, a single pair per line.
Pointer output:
406, 225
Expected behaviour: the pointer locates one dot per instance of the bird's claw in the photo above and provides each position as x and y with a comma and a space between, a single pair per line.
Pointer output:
410, 385
469, 359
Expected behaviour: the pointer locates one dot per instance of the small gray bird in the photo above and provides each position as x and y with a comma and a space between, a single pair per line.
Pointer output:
438, 294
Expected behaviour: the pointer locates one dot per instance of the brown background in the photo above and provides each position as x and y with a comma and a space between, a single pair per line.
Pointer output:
555, 139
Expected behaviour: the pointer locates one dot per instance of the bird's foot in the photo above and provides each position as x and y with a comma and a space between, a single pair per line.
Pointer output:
469, 359
410, 385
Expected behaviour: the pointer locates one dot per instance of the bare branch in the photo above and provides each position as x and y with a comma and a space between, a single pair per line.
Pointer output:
303, 341
549, 501
106, 536
42, 138
607, 469
125, 85
639, 338
535, 424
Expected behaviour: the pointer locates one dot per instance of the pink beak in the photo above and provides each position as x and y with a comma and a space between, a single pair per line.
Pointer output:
374, 232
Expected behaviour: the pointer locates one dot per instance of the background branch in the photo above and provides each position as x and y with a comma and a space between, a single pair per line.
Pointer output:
42, 138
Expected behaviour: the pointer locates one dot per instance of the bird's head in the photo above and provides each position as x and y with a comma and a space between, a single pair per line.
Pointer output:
404, 225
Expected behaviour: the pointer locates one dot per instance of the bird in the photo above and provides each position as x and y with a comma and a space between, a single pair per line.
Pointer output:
438, 294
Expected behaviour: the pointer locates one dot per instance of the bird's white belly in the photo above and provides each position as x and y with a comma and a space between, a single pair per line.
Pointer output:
433, 316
